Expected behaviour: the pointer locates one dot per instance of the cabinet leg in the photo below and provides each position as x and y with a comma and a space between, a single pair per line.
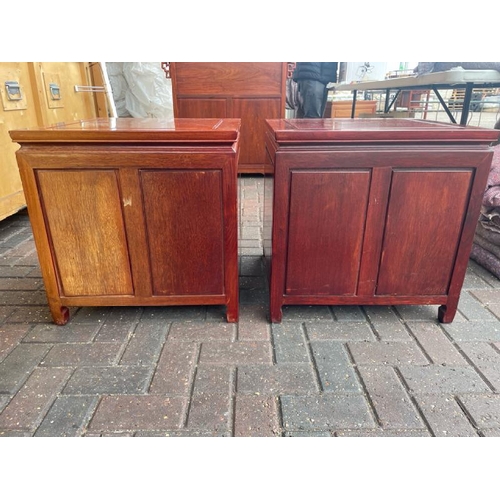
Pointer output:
60, 314
276, 313
232, 312
447, 312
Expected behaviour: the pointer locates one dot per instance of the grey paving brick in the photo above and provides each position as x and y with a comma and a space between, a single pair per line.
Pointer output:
387, 353
115, 332
3, 402
418, 313
334, 368
236, 353
29, 405
133, 413
23, 298
482, 331
91, 315
175, 368
486, 359
384, 433
125, 314
326, 411
74, 355
253, 323
392, 403
109, 380
344, 331
17, 366
210, 412
434, 379
251, 266
202, 331
71, 332
491, 432
436, 344
488, 296
67, 417
10, 336
256, 416
445, 416
213, 379
289, 343
308, 434
30, 314
348, 313
292, 378
386, 323
307, 313
145, 345
168, 314
483, 274
13, 271
20, 283
5, 312
472, 309
483, 408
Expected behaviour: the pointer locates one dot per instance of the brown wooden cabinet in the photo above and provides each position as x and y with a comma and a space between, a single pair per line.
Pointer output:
134, 211
375, 211
252, 92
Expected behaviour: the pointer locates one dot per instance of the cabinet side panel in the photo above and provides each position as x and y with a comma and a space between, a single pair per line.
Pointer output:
183, 212
424, 223
85, 221
326, 227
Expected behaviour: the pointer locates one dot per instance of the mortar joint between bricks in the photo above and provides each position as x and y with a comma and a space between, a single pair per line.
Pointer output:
310, 354
366, 393
413, 400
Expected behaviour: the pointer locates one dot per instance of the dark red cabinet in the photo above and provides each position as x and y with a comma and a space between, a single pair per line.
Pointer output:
373, 211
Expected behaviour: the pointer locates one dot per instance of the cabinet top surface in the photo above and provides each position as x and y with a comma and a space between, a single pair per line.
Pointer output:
376, 129
134, 130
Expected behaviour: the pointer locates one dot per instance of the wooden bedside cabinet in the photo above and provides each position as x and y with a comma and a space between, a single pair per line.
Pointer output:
134, 211
372, 211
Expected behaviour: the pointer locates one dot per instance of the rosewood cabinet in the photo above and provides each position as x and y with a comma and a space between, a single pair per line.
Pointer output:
249, 91
134, 211
372, 211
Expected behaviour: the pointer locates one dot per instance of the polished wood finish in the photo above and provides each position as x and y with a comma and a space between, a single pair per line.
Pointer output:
134, 211
251, 91
372, 211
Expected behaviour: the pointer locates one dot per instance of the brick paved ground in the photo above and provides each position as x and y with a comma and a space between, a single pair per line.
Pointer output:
183, 371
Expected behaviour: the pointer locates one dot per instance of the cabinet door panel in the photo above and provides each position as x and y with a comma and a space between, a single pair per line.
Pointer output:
326, 227
424, 223
184, 218
84, 216
253, 113
201, 108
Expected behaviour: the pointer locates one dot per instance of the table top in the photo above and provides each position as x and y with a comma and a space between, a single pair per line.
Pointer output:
452, 77
134, 130
376, 130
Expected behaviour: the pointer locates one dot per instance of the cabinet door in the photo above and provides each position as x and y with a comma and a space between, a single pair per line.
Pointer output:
184, 219
83, 213
424, 224
325, 232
